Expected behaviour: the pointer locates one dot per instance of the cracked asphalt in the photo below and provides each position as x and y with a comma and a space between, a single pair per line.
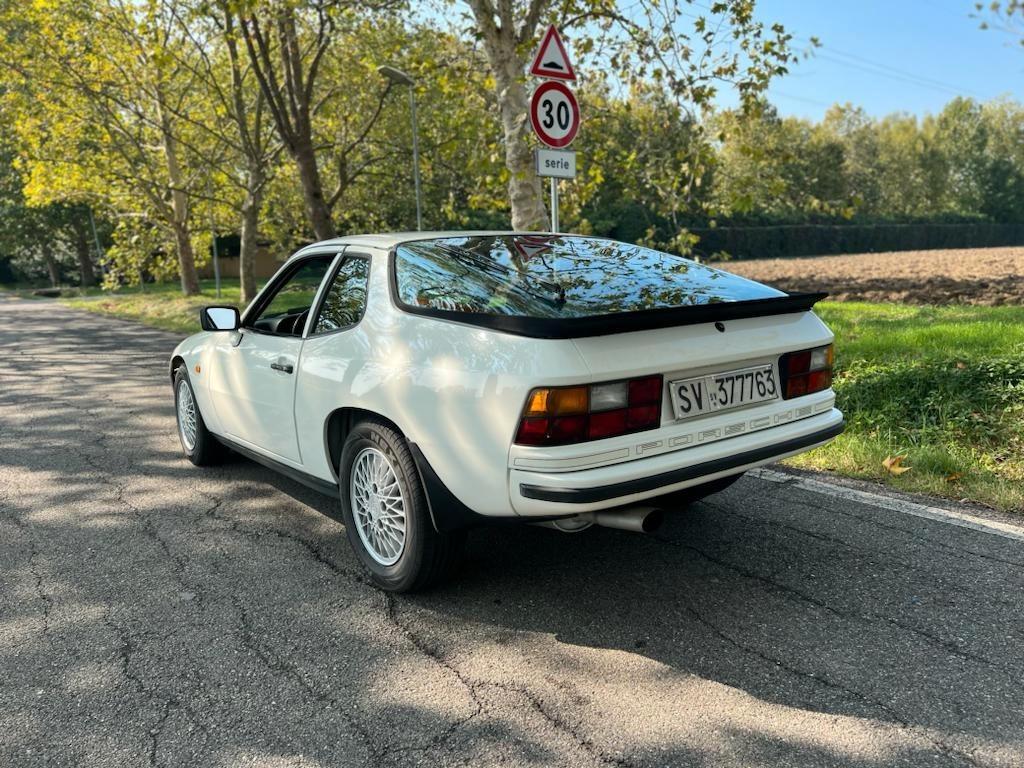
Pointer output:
152, 613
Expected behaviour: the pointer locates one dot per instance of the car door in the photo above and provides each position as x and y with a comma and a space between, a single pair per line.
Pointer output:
253, 376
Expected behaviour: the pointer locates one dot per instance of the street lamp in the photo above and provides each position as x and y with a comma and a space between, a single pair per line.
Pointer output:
398, 77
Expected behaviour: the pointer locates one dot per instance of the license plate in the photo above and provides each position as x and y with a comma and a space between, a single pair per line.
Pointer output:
723, 391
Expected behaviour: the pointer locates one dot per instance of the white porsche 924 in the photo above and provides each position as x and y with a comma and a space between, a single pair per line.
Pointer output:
441, 381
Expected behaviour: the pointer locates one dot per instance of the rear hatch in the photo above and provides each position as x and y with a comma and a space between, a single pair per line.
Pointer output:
716, 339
713, 372
724, 392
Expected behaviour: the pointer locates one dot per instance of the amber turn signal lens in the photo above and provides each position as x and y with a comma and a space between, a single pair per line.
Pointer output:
569, 400
556, 401
537, 405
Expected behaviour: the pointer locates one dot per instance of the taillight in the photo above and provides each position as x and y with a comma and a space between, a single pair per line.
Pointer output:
564, 415
806, 371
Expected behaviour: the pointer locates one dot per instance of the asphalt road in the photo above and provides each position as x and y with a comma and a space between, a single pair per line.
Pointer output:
154, 613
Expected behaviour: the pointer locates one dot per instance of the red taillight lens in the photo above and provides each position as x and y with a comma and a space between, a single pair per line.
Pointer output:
806, 371
798, 363
819, 380
568, 429
645, 391
607, 424
643, 416
565, 415
795, 387
532, 431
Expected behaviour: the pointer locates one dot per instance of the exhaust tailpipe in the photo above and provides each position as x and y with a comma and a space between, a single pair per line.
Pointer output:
636, 519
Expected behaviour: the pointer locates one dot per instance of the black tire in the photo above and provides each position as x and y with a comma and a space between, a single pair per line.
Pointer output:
206, 449
693, 494
426, 557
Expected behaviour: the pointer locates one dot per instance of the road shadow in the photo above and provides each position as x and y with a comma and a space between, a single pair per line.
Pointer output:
152, 611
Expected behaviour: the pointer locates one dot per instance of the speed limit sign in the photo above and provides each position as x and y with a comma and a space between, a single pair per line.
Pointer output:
555, 114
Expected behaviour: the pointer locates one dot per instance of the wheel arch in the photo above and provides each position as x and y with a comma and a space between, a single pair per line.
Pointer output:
447, 512
340, 422
176, 362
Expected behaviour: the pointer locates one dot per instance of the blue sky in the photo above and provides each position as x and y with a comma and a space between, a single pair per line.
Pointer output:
895, 56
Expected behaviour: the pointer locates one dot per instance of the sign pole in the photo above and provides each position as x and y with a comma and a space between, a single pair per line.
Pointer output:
416, 158
213, 242
554, 204
554, 114
96, 239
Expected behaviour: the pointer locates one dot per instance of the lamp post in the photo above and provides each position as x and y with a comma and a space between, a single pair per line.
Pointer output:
398, 77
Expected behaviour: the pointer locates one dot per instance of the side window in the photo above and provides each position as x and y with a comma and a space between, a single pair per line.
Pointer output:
346, 297
286, 312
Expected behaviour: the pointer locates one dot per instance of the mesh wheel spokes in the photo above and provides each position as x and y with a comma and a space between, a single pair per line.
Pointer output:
187, 416
378, 506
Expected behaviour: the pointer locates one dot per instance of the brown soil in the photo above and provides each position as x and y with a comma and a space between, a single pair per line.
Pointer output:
988, 276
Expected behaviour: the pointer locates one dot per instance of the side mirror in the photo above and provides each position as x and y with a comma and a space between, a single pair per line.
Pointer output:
219, 318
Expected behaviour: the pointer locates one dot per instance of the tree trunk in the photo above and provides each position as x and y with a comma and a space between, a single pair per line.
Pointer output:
250, 233
186, 258
52, 268
88, 276
524, 187
179, 208
313, 191
253, 147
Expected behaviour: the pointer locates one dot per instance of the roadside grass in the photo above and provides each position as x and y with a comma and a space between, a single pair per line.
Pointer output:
160, 305
941, 387
22, 290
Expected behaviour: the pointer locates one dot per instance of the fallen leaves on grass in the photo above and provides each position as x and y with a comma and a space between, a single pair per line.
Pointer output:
894, 465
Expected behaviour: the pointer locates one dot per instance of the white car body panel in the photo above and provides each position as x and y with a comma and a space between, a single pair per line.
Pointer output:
456, 392
254, 402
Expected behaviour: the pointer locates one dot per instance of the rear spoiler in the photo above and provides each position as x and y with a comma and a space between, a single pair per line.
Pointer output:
625, 322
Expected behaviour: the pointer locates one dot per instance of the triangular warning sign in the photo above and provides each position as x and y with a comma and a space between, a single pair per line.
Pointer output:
551, 59
530, 246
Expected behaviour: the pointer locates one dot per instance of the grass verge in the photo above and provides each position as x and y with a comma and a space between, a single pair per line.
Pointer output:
160, 305
941, 387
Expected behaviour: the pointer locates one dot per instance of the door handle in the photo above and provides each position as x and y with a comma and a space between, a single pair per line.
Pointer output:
286, 367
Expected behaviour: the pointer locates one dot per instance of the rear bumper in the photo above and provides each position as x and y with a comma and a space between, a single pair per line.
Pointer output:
535, 493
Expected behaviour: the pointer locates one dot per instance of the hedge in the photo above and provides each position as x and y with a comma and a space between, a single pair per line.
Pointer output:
782, 240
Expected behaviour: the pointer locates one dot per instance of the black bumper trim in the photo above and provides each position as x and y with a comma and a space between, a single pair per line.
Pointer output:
643, 484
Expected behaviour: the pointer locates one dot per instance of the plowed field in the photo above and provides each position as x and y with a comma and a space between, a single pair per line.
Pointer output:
984, 276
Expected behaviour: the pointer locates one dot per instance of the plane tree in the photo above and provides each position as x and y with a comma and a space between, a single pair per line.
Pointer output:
690, 50
99, 100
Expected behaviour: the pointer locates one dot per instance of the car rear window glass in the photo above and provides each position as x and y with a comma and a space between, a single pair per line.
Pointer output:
556, 277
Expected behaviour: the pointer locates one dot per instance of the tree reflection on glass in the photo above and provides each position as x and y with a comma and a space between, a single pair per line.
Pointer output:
346, 298
567, 277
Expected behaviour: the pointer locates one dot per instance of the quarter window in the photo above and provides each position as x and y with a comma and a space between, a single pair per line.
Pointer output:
345, 301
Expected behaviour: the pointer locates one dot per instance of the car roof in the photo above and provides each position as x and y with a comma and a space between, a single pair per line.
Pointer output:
388, 240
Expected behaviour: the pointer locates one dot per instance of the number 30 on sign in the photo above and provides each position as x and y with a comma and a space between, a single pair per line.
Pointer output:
555, 114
